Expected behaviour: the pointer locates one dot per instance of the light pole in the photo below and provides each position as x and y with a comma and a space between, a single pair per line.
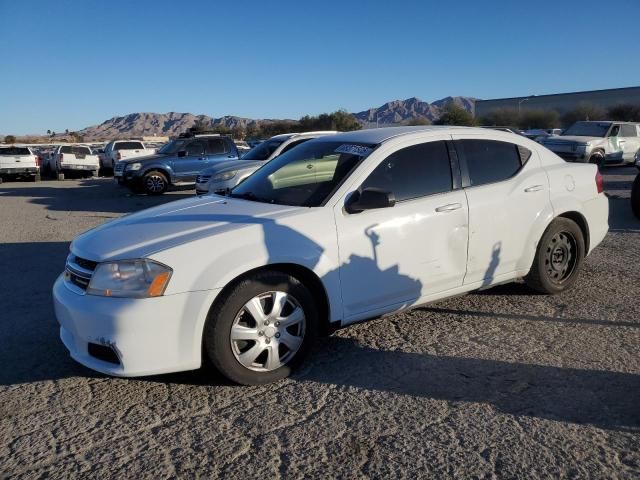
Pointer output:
520, 103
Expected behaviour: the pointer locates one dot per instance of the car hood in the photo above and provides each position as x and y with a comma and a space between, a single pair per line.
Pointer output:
562, 139
231, 166
147, 232
145, 158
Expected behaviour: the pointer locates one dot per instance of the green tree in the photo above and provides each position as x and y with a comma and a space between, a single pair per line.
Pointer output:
10, 139
200, 125
454, 114
539, 119
624, 113
238, 132
49, 132
501, 117
584, 111
417, 121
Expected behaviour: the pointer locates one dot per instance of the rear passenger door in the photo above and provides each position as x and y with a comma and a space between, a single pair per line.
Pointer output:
217, 150
508, 192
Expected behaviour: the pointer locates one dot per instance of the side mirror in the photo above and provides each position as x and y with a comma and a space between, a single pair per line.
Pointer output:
182, 153
369, 199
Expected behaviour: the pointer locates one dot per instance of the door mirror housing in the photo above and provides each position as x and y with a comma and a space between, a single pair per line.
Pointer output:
182, 153
368, 199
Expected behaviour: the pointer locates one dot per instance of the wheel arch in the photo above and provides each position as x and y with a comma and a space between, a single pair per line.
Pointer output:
162, 169
579, 219
303, 274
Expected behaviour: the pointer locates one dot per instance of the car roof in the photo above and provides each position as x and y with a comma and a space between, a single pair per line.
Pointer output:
375, 136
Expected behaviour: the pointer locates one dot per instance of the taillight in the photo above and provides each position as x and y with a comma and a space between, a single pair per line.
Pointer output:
61, 157
599, 182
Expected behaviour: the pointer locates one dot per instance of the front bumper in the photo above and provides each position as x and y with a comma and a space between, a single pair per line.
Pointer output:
149, 336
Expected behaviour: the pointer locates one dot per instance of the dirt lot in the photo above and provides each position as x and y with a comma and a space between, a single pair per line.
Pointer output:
503, 383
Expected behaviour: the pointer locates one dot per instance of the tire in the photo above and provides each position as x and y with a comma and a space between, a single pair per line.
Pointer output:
635, 196
597, 157
155, 183
233, 314
558, 259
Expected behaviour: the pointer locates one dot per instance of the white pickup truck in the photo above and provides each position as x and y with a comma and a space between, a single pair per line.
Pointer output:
19, 161
123, 150
71, 158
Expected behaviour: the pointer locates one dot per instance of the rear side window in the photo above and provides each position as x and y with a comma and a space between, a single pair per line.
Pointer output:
15, 151
414, 172
490, 161
215, 146
128, 146
628, 131
293, 144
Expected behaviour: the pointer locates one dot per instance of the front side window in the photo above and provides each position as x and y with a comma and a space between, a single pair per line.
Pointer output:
413, 172
305, 176
195, 149
490, 161
215, 146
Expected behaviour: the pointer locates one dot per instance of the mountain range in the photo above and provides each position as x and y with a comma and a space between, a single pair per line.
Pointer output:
172, 123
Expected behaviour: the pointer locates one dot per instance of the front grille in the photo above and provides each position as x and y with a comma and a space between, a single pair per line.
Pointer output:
78, 271
203, 178
103, 352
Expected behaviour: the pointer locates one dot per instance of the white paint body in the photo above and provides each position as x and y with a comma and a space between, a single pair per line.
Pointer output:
373, 263
113, 154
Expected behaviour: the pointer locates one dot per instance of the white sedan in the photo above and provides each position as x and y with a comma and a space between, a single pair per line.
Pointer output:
343, 228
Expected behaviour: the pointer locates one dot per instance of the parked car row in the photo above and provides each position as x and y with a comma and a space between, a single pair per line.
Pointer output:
19, 161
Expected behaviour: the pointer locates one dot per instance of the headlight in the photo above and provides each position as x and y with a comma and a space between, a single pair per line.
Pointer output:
129, 278
134, 166
221, 177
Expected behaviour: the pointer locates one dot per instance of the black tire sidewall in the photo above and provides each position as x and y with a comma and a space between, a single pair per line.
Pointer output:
635, 196
216, 336
557, 226
154, 172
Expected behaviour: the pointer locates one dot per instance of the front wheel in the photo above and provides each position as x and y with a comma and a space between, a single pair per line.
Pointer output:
262, 329
155, 183
597, 158
635, 196
558, 258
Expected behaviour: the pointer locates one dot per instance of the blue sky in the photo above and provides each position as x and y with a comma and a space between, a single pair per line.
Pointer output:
71, 64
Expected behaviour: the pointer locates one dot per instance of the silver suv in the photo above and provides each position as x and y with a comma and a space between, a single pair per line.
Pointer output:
603, 143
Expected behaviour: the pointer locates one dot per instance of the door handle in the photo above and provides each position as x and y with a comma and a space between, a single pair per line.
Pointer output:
449, 208
533, 188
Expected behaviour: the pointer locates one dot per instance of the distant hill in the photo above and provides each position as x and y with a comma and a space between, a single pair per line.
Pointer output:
173, 123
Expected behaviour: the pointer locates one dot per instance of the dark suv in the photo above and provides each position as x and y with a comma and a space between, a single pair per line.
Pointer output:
177, 163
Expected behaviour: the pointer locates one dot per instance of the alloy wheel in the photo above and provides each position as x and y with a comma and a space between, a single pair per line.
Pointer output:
155, 183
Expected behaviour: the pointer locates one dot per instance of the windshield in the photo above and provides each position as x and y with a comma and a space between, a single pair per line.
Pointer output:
587, 129
264, 150
173, 146
305, 176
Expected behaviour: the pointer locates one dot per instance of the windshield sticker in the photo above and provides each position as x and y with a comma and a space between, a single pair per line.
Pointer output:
354, 150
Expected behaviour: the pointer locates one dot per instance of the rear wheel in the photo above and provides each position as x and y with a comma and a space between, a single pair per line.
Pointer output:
635, 196
155, 183
262, 329
558, 258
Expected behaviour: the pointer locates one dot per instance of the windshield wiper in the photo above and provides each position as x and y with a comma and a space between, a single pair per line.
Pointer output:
247, 196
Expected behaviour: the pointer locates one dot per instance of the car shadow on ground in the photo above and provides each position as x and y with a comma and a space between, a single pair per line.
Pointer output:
90, 195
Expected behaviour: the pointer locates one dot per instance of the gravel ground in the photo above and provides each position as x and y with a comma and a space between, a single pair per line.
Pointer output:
503, 383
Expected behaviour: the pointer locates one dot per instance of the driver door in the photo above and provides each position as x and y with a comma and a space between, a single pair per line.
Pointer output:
187, 167
393, 257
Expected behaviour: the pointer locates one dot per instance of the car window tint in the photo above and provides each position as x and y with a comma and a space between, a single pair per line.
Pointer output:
215, 146
128, 146
195, 148
490, 161
413, 172
628, 131
293, 144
